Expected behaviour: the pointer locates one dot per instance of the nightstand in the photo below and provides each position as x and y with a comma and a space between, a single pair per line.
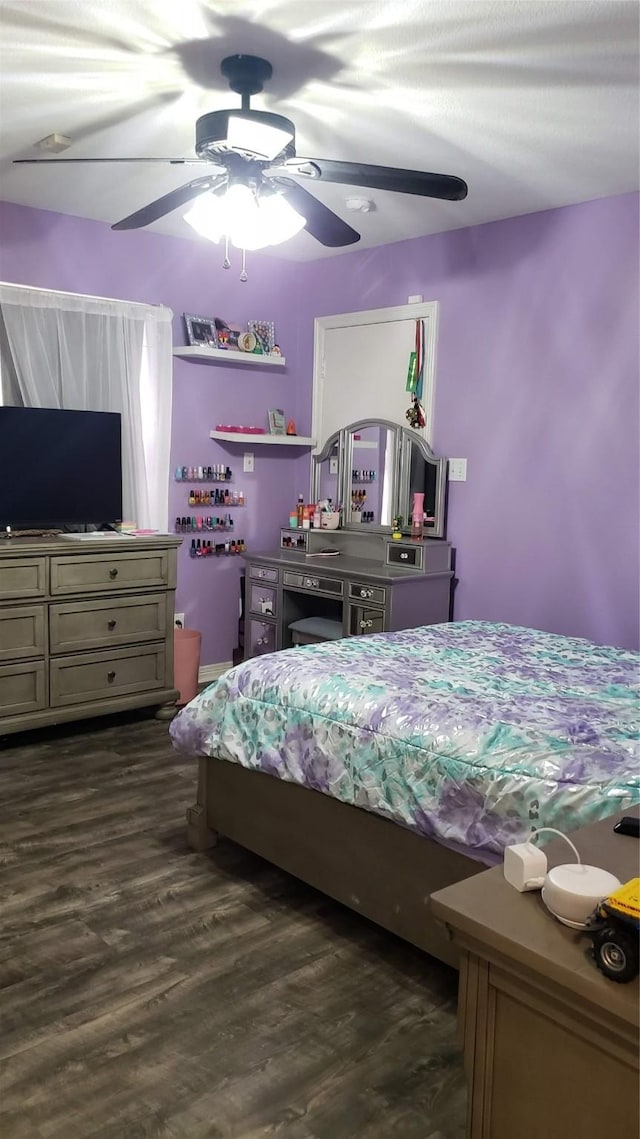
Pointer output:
550, 1045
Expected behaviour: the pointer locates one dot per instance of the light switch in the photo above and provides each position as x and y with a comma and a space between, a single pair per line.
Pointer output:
247, 464
333, 466
457, 470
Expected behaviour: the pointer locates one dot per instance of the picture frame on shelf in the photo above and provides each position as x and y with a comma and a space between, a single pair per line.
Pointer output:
265, 334
201, 330
277, 422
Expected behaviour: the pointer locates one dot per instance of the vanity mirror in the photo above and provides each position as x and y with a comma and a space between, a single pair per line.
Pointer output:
374, 467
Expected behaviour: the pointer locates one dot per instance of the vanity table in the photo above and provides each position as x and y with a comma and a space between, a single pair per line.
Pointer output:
364, 594
372, 583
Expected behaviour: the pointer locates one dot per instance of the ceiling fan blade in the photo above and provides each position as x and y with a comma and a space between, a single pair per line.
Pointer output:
380, 178
170, 161
320, 221
169, 202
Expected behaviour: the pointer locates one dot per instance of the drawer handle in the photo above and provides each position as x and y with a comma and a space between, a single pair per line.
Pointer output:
404, 557
366, 593
112, 624
366, 624
111, 676
113, 573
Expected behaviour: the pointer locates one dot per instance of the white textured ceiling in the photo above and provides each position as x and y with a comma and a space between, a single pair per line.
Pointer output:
533, 102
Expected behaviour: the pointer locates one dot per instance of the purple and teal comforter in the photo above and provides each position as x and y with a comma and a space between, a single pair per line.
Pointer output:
471, 733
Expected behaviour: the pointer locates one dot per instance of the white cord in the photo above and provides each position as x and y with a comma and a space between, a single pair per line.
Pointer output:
552, 830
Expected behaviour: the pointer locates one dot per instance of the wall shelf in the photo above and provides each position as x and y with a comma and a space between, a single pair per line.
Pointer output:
225, 356
251, 440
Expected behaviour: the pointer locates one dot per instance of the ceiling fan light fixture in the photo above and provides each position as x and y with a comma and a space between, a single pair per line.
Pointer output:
256, 139
247, 221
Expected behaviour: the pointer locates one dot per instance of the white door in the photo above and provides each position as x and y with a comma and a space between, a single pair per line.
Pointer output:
361, 364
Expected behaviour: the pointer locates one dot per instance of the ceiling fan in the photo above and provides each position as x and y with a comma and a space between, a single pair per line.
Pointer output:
256, 150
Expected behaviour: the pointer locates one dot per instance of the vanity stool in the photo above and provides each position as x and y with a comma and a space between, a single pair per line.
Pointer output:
313, 630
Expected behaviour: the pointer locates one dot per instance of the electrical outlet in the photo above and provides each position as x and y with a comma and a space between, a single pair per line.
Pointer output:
333, 466
247, 463
457, 470
178, 620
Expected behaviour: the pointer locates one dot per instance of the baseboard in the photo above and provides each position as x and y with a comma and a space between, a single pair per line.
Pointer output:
209, 672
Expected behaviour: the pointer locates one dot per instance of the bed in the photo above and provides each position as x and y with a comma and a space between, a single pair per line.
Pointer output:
381, 768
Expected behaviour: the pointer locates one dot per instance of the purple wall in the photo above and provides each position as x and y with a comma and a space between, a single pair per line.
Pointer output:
537, 386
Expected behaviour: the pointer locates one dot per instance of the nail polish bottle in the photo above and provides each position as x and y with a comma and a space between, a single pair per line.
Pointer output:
178, 474
177, 525
192, 551
228, 474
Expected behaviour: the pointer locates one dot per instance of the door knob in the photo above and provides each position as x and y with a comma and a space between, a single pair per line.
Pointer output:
113, 573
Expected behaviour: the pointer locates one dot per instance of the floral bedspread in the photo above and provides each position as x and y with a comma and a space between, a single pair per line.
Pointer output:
472, 733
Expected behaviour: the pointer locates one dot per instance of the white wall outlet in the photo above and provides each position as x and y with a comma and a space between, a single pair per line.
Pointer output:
178, 620
457, 470
247, 463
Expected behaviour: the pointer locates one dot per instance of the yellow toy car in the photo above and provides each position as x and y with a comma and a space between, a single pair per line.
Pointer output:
614, 928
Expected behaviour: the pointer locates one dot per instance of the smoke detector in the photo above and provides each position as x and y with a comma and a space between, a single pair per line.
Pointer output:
54, 143
361, 205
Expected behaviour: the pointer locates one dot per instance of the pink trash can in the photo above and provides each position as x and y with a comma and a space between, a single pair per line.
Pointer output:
186, 663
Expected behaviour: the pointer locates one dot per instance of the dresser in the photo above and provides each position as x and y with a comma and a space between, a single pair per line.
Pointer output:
371, 585
86, 627
550, 1044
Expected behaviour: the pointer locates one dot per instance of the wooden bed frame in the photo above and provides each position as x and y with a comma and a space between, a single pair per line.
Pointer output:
380, 869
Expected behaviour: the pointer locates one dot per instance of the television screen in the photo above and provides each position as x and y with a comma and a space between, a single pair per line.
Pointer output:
59, 468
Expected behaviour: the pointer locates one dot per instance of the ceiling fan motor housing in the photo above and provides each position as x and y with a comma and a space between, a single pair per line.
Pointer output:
212, 132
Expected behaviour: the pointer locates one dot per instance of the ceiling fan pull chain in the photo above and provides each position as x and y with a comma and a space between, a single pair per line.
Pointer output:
226, 264
243, 275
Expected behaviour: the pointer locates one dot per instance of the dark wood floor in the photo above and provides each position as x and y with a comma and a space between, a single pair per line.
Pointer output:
148, 991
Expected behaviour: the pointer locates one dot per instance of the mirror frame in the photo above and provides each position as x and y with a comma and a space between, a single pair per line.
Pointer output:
405, 439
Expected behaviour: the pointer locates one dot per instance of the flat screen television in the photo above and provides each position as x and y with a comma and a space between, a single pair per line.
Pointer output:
59, 468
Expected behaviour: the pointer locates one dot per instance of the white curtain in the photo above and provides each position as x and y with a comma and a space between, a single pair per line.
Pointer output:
93, 354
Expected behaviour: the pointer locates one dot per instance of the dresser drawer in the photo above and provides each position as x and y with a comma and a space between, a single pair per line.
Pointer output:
22, 577
22, 632
81, 625
22, 688
99, 574
99, 676
361, 592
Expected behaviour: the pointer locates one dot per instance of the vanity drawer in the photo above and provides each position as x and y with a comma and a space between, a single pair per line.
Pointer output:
404, 554
363, 620
22, 632
263, 573
263, 599
99, 676
263, 638
22, 688
361, 592
82, 625
99, 574
22, 578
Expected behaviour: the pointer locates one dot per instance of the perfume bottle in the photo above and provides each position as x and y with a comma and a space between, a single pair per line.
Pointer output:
417, 516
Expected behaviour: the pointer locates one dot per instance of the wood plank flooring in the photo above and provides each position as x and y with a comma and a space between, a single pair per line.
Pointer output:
148, 992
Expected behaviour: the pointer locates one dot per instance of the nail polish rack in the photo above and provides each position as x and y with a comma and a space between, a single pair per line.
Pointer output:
217, 497
205, 548
196, 523
363, 476
217, 473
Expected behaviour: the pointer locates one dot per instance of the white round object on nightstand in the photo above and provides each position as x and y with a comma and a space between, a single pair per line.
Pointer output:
572, 892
